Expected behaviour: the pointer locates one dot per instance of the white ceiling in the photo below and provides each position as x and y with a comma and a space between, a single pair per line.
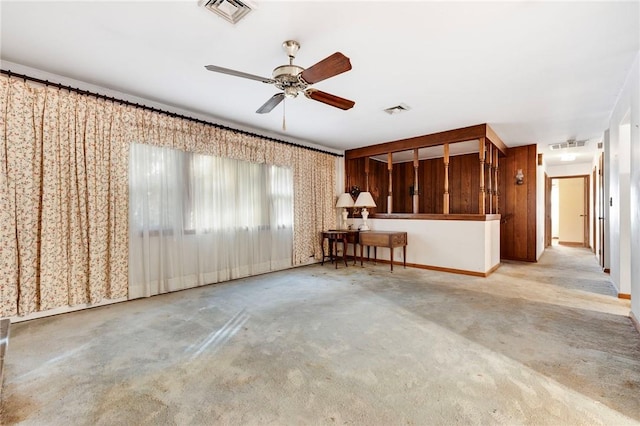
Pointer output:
537, 72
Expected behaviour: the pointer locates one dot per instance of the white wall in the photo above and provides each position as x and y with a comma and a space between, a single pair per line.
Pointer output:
472, 246
634, 186
570, 169
623, 234
607, 190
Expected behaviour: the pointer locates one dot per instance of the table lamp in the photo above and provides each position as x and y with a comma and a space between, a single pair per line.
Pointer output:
344, 201
364, 200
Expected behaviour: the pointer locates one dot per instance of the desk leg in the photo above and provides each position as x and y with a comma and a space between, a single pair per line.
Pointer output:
344, 250
322, 247
361, 254
335, 252
404, 256
355, 253
375, 255
391, 257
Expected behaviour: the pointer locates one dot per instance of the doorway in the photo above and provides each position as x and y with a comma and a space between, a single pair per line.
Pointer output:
570, 210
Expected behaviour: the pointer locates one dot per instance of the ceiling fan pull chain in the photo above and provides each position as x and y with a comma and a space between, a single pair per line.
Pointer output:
284, 123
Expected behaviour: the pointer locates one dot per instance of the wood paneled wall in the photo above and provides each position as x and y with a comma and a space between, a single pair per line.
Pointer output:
464, 184
378, 185
518, 204
402, 181
378, 180
431, 175
464, 181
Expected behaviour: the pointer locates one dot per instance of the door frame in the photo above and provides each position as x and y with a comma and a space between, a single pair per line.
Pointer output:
585, 208
547, 210
601, 210
593, 209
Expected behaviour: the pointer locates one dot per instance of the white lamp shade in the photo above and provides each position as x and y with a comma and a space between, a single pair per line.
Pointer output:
345, 200
365, 200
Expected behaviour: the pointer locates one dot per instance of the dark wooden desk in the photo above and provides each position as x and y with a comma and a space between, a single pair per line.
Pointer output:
333, 237
353, 237
389, 239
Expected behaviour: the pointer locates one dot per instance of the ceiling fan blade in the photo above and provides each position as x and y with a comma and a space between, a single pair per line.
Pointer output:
239, 74
271, 103
329, 99
328, 67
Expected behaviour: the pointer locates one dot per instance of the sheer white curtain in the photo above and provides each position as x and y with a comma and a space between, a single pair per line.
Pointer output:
197, 219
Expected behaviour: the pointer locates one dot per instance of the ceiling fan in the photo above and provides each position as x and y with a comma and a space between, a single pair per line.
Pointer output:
293, 79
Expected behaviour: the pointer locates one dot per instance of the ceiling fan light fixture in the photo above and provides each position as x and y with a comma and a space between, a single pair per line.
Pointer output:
290, 92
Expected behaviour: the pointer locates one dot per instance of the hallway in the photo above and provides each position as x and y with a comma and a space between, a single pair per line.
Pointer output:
545, 343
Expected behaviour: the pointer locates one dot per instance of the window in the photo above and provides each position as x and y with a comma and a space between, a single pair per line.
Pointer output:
214, 193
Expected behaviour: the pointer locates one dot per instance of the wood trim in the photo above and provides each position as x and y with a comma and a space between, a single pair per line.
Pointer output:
494, 139
429, 216
624, 296
601, 211
442, 269
445, 196
489, 179
390, 172
635, 321
440, 138
587, 216
569, 177
482, 196
593, 208
497, 184
585, 208
547, 210
416, 183
366, 173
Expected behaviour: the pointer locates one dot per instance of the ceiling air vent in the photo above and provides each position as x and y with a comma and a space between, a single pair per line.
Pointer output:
397, 109
229, 10
571, 143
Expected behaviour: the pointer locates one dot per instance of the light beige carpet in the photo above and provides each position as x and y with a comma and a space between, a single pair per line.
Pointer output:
546, 343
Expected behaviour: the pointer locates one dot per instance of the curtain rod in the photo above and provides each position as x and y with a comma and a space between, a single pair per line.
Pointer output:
170, 114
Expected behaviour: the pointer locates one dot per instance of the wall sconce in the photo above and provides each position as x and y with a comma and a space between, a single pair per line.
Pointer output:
519, 177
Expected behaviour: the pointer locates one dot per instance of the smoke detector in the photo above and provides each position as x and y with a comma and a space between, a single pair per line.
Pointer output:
229, 10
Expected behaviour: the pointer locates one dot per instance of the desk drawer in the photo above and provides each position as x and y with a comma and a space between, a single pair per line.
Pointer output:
398, 240
380, 240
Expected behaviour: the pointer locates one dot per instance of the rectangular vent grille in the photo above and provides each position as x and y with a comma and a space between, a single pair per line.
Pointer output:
397, 109
229, 10
567, 144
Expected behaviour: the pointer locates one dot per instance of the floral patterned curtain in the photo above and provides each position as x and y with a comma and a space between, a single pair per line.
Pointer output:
64, 192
